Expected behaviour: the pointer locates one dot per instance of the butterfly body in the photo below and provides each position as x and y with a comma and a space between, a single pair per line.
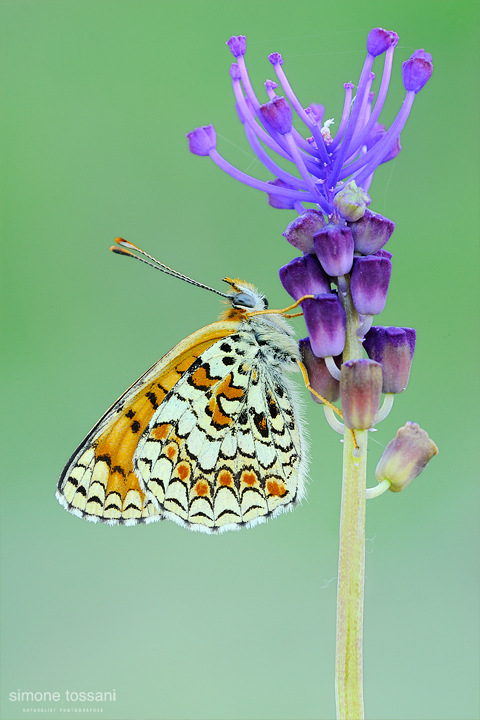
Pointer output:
210, 437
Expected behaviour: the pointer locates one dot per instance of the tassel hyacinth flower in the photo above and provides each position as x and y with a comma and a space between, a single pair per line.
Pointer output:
345, 270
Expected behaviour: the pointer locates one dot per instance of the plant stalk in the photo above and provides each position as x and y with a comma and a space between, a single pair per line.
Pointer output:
351, 562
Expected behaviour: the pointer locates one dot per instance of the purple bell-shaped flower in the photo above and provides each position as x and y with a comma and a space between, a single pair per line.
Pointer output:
393, 348
334, 248
369, 284
371, 232
304, 276
300, 231
326, 321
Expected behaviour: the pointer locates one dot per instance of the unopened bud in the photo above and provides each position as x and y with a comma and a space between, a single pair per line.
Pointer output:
371, 232
352, 201
360, 389
405, 456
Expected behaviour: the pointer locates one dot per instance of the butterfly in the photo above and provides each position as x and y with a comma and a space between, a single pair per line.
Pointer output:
211, 436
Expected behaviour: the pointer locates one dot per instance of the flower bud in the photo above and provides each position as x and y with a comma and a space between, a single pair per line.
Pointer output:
275, 58
326, 321
300, 231
304, 276
278, 114
377, 134
360, 389
369, 284
237, 45
393, 348
319, 375
334, 248
235, 72
277, 201
371, 232
417, 70
405, 456
202, 140
379, 40
352, 201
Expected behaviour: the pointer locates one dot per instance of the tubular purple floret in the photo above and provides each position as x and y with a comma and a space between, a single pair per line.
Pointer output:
237, 45
276, 60
267, 161
345, 115
360, 390
371, 232
417, 71
382, 94
278, 114
326, 321
393, 348
343, 149
258, 184
300, 231
202, 140
304, 276
379, 40
369, 284
334, 248
365, 166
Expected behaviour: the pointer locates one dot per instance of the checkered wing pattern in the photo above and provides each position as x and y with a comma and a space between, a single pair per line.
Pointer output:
223, 450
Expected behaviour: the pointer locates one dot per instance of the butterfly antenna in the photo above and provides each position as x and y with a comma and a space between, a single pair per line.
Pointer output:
157, 264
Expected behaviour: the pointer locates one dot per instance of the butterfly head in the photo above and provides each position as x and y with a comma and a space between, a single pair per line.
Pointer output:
245, 296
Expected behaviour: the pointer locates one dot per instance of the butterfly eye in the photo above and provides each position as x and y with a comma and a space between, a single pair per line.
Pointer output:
243, 300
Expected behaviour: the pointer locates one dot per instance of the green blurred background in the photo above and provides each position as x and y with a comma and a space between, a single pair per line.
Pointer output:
97, 98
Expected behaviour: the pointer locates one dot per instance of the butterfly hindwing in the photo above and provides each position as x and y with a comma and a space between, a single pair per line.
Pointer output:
223, 450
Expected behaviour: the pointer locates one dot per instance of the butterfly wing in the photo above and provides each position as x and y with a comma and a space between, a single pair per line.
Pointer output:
99, 483
224, 450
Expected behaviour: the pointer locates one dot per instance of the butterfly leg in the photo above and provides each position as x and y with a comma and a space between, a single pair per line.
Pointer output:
324, 400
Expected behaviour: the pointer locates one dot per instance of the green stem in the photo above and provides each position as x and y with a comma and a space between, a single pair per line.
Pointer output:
351, 563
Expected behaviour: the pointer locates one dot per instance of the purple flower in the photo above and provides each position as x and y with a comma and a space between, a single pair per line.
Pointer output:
300, 231
405, 456
322, 168
278, 114
334, 248
393, 348
360, 389
304, 276
326, 321
202, 140
417, 71
237, 45
371, 232
319, 375
369, 284
379, 40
